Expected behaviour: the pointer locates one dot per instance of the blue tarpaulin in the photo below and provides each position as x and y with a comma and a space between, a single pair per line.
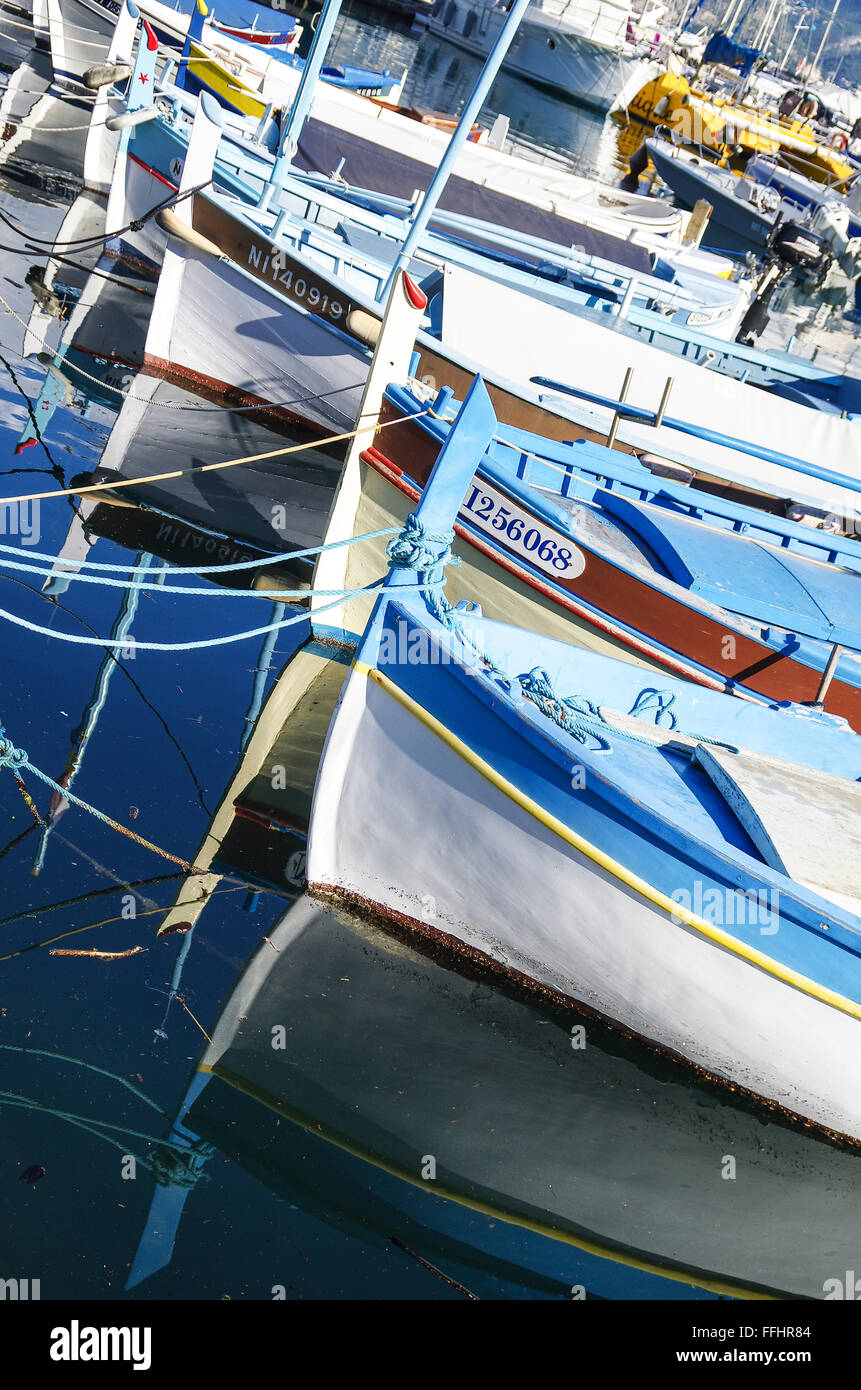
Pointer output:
721, 49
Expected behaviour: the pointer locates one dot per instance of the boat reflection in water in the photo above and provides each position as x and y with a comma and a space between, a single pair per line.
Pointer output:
374, 1087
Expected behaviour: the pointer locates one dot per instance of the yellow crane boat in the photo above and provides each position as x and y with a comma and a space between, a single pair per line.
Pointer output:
720, 124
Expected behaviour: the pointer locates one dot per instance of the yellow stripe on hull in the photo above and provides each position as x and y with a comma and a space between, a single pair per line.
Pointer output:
611, 866
511, 1217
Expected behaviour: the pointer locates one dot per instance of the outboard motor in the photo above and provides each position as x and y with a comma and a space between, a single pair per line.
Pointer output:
798, 248
792, 248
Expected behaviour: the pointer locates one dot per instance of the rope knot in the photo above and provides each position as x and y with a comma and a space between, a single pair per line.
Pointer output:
10, 756
419, 549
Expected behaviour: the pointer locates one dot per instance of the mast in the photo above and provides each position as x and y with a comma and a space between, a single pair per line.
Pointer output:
455, 145
301, 108
815, 68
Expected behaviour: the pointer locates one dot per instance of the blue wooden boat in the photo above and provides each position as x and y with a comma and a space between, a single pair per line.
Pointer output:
665, 292
677, 861
657, 302
583, 542
316, 313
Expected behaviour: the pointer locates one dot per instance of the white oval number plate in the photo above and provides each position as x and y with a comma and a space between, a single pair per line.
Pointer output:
529, 537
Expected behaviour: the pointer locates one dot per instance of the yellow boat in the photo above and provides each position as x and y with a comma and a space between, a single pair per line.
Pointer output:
722, 125
229, 81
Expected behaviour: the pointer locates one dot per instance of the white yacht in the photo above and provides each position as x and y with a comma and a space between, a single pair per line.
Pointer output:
584, 49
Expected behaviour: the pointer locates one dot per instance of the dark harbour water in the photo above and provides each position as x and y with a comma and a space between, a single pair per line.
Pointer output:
592, 1170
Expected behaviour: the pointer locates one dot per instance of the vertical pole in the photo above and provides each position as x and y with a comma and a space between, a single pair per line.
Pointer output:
301, 107
456, 144
194, 34
390, 364
822, 42
827, 676
617, 418
665, 400
627, 297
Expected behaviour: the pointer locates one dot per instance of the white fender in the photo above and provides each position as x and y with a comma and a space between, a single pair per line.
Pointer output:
126, 120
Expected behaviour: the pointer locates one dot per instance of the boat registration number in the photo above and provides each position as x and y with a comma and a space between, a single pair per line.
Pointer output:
516, 530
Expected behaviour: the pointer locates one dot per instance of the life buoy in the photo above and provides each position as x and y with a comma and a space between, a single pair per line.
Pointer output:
839, 141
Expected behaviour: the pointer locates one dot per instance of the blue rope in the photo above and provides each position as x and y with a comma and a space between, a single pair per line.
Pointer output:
207, 569
208, 592
429, 553
302, 617
575, 714
416, 548
661, 701
10, 756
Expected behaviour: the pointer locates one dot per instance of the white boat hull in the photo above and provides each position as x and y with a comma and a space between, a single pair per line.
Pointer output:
231, 335
447, 851
564, 62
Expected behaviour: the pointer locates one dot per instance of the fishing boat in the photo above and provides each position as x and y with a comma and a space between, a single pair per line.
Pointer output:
556, 814
586, 53
80, 31
392, 152
746, 210
671, 286
282, 39
584, 544
746, 207
227, 275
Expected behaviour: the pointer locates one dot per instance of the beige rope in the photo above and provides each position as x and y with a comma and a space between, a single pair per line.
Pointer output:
114, 485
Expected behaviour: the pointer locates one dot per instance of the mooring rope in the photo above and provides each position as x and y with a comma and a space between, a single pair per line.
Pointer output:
52, 91
87, 243
204, 642
207, 569
114, 486
18, 761
281, 595
56, 129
